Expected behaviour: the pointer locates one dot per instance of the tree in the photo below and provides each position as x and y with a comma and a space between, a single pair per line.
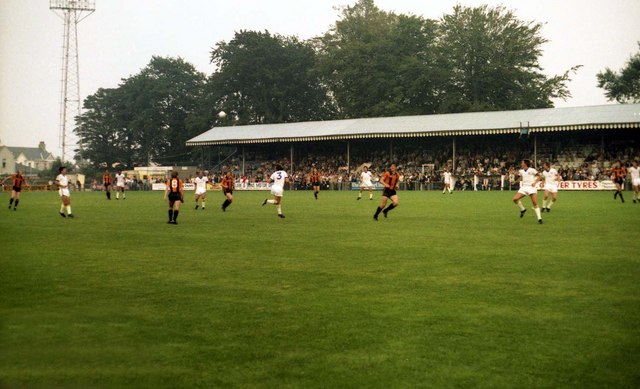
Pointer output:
264, 78
379, 63
623, 87
145, 119
491, 61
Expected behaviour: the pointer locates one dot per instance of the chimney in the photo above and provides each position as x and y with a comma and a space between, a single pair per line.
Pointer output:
42, 147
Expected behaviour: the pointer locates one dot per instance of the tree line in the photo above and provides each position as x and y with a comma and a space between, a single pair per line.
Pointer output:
371, 63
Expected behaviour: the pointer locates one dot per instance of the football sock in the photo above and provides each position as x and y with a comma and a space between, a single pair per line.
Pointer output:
378, 210
279, 208
170, 214
16, 204
109, 195
61, 208
202, 204
370, 196
175, 216
389, 208
551, 204
271, 201
68, 209
537, 209
226, 203
315, 194
360, 195
621, 198
10, 202
519, 203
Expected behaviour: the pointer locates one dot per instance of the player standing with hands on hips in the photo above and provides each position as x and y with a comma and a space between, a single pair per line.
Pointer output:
529, 178
390, 181
278, 179
63, 190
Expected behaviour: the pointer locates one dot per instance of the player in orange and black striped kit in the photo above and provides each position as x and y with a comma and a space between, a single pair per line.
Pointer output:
175, 194
390, 181
107, 180
618, 173
18, 181
228, 185
314, 178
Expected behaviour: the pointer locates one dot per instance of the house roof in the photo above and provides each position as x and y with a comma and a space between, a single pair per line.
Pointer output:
610, 116
31, 153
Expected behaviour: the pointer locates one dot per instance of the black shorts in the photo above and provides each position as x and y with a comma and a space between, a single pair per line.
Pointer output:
227, 191
315, 183
17, 189
619, 181
386, 192
106, 186
173, 197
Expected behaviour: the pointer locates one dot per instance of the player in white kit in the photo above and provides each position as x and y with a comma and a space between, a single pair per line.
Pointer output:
63, 190
551, 180
365, 182
277, 180
634, 172
120, 185
201, 188
447, 181
529, 178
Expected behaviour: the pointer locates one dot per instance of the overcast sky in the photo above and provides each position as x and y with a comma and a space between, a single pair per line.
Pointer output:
119, 38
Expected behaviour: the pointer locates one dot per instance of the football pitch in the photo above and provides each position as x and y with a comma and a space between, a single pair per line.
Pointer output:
448, 291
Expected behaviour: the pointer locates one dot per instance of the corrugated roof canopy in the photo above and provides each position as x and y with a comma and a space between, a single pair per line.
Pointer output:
472, 123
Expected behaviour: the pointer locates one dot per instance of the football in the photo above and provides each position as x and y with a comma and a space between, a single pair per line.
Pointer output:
222, 114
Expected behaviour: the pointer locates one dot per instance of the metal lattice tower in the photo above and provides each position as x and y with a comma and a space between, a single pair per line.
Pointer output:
72, 12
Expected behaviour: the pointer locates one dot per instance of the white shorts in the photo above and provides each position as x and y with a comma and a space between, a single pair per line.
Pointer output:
551, 188
447, 181
528, 190
120, 186
635, 182
64, 192
277, 190
366, 184
200, 191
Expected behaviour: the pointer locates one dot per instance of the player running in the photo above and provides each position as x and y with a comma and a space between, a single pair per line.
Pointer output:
314, 179
634, 173
120, 185
279, 178
174, 192
228, 184
551, 180
529, 177
107, 180
16, 187
63, 190
390, 181
201, 189
365, 182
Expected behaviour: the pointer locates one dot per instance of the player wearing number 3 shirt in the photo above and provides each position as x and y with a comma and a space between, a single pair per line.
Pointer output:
277, 180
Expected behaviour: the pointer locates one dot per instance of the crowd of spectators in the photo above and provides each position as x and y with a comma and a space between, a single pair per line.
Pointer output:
481, 163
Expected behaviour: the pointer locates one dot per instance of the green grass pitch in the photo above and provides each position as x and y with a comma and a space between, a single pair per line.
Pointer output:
449, 291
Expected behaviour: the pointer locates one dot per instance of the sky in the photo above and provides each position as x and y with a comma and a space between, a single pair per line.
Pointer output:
121, 36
